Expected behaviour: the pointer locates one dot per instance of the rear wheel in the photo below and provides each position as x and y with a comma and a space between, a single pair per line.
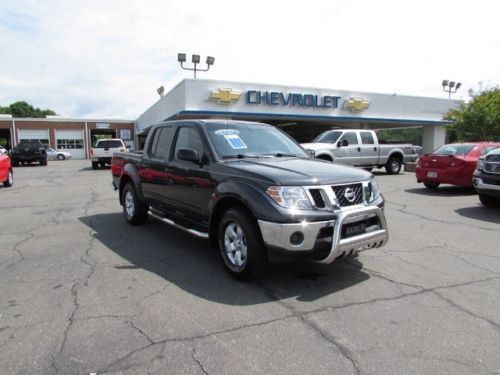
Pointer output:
135, 211
393, 165
241, 245
489, 201
61, 157
10, 179
43, 162
95, 165
431, 185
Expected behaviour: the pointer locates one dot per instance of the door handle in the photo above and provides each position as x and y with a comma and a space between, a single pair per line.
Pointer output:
374, 149
359, 149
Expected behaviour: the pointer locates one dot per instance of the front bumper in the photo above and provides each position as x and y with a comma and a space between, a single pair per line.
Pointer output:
488, 184
369, 225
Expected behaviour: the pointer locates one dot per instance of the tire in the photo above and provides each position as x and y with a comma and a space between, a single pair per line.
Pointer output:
43, 162
134, 210
95, 165
489, 201
431, 185
103, 165
10, 179
393, 165
240, 244
369, 169
15, 163
61, 157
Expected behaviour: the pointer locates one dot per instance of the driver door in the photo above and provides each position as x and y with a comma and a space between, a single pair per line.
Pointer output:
348, 154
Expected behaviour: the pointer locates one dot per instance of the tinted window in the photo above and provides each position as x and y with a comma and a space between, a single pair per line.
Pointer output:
487, 149
367, 138
454, 149
154, 142
328, 137
351, 138
163, 145
189, 138
109, 144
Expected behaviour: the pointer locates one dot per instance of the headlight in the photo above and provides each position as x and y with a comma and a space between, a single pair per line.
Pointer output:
372, 192
290, 197
480, 164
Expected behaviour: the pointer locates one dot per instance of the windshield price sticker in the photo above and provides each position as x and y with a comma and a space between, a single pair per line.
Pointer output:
235, 141
227, 132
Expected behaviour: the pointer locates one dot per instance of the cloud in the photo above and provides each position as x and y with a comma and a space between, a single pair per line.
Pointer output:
106, 58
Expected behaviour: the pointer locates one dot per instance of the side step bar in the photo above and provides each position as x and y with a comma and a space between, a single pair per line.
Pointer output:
174, 224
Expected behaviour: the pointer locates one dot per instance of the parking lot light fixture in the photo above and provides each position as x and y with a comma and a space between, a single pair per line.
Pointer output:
450, 87
195, 59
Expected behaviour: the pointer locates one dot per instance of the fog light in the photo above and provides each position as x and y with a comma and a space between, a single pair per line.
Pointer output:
297, 238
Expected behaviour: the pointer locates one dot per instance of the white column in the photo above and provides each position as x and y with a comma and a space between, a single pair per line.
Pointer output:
433, 137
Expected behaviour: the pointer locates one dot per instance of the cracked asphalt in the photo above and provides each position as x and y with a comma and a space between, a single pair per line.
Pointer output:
82, 292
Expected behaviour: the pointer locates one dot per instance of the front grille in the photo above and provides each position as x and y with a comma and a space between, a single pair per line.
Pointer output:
348, 195
317, 197
491, 181
492, 168
494, 157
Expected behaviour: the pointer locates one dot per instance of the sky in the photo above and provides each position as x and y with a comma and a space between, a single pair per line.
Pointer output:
106, 58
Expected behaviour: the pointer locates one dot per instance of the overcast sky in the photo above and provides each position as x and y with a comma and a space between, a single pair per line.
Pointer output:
98, 59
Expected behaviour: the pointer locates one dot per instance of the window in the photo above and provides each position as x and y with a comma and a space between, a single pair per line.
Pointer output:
189, 138
161, 143
454, 149
69, 144
109, 144
367, 138
328, 137
351, 138
487, 149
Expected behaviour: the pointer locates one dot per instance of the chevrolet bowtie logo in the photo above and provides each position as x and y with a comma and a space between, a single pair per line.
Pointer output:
356, 104
224, 96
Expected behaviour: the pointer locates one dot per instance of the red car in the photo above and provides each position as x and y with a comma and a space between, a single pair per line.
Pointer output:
451, 164
6, 174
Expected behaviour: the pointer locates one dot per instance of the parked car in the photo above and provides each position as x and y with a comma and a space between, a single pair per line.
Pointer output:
360, 148
27, 152
486, 178
253, 191
103, 150
54, 154
6, 173
451, 164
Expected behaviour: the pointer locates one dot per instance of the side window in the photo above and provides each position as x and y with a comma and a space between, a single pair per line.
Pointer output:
367, 138
351, 138
160, 146
189, 138
154, 143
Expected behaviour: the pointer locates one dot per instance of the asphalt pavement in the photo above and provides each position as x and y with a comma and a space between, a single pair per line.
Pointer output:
83, 292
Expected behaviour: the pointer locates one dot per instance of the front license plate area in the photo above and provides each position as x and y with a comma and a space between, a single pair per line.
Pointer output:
432, 174
354, 229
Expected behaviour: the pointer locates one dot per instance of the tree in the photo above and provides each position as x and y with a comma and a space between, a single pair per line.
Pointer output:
23, 109
479, 119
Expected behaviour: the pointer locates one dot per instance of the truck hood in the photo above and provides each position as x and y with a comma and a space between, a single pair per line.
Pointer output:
316, 146
295, 171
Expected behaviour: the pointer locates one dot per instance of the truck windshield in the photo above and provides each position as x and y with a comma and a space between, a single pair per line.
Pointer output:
253, 140
328, 137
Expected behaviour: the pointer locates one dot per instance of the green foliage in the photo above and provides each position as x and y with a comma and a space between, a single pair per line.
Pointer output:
479, 119
23, 109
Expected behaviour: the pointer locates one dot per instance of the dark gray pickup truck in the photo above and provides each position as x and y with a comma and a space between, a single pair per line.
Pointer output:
253, 191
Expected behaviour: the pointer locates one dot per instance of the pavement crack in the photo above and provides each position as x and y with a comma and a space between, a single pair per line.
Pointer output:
131, 322
193, 356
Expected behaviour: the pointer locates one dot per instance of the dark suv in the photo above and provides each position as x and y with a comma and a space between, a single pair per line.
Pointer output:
27, 152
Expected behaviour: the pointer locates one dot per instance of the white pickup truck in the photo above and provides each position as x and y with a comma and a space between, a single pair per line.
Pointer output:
360, 148
103, 150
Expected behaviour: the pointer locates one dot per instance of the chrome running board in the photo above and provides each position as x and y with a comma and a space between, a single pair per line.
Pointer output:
174, 224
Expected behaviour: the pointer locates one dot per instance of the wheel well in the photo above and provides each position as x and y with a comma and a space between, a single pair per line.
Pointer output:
123, 181
324, 157
397, 155
222, 206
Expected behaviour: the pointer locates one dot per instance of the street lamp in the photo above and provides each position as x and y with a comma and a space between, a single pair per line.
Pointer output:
450, 87
195, 59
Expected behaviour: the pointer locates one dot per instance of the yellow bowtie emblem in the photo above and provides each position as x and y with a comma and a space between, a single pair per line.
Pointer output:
356, 104
224, 96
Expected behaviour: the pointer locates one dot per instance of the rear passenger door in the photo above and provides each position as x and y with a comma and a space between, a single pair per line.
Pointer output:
154, 170
368, 149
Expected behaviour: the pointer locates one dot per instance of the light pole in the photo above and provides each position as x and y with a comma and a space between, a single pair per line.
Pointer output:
450, 87
195, 59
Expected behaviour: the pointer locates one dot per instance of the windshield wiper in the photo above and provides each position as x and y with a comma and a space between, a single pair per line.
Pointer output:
284, 154
240, 156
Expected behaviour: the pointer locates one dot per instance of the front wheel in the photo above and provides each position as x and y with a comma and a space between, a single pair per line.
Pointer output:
393, 165
489, 201
10, 179
95, 165
43, 162
134, 210
241, 245
61, 157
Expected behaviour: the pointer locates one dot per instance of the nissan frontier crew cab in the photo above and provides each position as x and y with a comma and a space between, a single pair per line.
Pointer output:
360, 148
253, 191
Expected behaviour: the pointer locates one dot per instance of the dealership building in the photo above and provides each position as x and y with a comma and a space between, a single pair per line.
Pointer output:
300, 111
